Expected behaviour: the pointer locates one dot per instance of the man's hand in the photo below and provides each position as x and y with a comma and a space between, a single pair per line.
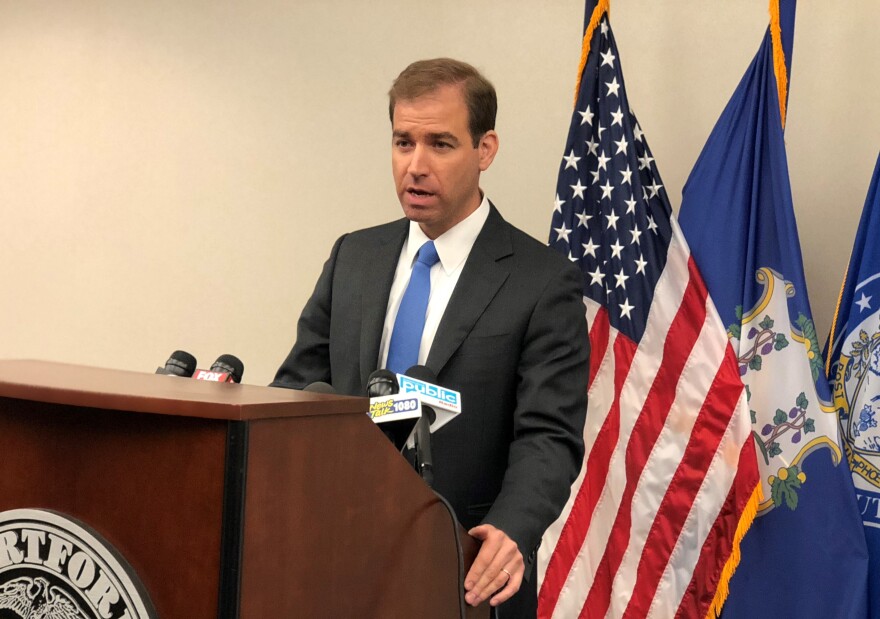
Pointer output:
497, 569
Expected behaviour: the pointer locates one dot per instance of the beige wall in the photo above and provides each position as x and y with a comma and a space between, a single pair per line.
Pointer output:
173, 173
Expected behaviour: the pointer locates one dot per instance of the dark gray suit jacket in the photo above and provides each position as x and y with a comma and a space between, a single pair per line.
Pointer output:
513, 340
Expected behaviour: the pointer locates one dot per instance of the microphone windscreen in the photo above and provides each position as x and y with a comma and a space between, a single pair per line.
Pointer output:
180, 363
230, 364
320, 387
420, 372
381, 383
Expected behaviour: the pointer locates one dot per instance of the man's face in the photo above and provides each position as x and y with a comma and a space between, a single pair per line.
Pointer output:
436, 167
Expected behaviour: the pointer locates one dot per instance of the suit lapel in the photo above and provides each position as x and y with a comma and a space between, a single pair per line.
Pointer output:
378, 276
483, 274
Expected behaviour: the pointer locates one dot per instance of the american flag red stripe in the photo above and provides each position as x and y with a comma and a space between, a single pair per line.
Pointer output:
599, 332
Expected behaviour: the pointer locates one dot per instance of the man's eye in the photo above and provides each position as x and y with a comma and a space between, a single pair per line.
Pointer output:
443, 145
402, 143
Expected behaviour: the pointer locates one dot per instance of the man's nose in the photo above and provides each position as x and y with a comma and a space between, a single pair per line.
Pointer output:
418, 163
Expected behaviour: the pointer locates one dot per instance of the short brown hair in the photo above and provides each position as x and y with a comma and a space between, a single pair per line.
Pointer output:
424, 76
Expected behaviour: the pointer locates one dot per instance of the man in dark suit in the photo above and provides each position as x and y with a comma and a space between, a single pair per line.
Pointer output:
504, 325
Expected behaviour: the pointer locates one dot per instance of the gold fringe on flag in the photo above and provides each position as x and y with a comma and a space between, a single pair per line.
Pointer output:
598, 12
778, 58
832, 333
745, 521
751, 508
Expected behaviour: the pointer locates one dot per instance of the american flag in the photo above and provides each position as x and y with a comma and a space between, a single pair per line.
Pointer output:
669, 483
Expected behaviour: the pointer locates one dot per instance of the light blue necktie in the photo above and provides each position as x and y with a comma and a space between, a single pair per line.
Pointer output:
403, 350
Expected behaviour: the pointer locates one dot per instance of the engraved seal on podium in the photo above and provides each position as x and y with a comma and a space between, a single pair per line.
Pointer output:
54, 567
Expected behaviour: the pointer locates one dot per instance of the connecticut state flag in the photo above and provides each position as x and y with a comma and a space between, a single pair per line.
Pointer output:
853, 367
670, 481
805, 554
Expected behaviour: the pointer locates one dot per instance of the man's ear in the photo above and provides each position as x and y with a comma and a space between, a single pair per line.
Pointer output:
487, 147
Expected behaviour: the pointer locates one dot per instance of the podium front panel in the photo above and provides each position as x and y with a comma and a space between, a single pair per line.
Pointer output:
151, 485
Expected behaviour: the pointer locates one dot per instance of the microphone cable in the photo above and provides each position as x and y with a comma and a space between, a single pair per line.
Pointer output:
459, 552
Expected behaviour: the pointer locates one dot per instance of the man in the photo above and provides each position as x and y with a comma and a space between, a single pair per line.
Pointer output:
504, 325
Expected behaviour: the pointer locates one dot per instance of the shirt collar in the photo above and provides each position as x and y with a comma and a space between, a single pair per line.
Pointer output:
454, 245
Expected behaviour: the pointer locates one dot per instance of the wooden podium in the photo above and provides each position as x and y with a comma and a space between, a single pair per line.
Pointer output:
231, 500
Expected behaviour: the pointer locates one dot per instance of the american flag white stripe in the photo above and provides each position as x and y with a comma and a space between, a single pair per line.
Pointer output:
592, 309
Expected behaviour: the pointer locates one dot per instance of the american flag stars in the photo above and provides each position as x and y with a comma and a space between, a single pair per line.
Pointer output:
608, 172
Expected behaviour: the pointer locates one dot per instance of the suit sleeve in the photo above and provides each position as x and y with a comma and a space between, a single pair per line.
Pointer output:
547, 450
309, 359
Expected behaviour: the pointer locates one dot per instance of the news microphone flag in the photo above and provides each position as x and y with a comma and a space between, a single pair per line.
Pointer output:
669, 483
853, 368
446, 403
738, 217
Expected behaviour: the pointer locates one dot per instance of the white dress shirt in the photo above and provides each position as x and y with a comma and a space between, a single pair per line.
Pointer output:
453, 248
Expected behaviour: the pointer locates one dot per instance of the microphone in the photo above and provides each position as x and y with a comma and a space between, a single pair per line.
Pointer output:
424, 455
396, 415
382, 383
180, 363
320, 387
226, 369
230, 364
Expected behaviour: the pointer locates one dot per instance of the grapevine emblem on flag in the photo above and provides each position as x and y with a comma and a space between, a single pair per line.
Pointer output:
784, 416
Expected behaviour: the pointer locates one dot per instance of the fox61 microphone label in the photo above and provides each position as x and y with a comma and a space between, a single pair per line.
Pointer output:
54, 567
432, 395
217, 377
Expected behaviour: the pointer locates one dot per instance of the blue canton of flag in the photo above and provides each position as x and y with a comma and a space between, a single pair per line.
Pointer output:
854, 372
738, 217
611, 214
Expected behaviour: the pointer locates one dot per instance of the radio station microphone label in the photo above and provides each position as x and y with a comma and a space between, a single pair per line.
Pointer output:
394, 407
432, 395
